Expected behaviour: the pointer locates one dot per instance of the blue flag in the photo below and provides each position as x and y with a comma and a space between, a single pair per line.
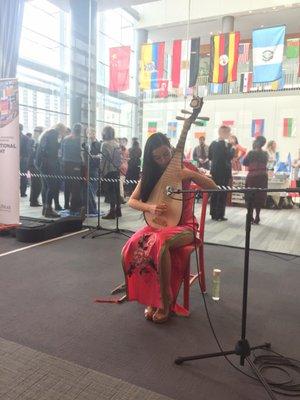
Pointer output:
268, 45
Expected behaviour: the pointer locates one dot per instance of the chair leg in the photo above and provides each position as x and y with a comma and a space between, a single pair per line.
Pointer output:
186, 290
202, 271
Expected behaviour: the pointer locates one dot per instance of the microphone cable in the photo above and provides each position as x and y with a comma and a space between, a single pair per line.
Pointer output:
264, 362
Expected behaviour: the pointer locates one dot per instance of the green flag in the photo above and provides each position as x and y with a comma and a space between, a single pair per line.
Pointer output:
292, 48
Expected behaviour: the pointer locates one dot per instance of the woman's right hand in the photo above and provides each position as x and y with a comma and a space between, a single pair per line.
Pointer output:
157, 209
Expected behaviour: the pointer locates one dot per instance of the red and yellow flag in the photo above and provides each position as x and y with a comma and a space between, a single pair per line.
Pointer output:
224, 51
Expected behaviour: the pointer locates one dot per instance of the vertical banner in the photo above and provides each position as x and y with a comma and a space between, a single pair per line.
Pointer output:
9, 152
288, 127
119, 61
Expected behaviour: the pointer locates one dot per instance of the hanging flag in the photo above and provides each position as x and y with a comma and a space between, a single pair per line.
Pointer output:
292, 48
268, 44
215, 88
194, 61
176, 63
119, 61
172, 130
180, 63
288, 127
246, 82
224, 57
152, 127
152, 65
258, 126
243, 53
163, 88
279, 84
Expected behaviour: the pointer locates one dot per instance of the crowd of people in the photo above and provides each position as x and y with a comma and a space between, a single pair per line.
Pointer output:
60, 159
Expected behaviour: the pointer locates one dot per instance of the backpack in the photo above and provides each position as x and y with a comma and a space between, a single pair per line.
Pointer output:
117, 157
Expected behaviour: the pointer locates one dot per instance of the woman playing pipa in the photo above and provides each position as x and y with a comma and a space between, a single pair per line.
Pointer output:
152, 257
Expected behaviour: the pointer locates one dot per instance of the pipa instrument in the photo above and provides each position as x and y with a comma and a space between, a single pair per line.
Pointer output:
171, 176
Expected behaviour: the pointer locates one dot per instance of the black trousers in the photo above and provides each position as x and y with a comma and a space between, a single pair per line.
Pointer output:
74, 186
36, 186
112, 190
23, 178
218, 200
50, 184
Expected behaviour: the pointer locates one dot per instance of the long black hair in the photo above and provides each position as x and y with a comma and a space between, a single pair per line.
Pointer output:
151, 170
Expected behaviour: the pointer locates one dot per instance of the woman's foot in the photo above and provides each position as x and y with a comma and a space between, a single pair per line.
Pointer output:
161, 315
149, 312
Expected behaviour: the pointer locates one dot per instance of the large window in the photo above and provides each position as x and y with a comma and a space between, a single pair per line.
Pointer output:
44, 64
115, 28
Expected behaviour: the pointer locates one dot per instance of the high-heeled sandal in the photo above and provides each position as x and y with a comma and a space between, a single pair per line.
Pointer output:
149, 312
161, 316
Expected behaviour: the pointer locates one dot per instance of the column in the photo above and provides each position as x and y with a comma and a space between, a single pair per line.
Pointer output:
141, 37
83, 62
227, 24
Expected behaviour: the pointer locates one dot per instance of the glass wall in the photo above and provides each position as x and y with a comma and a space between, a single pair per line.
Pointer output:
44, 65
49, 93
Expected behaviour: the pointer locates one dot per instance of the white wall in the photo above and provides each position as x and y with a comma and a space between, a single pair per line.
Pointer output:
242, 110
176, 11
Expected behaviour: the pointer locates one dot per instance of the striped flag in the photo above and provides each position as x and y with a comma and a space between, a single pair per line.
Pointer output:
288, 127
246, 82
176, 63
152, 65
185, 62
243, 53
268, 44
292, 48
224, 57
194, 61
258, 126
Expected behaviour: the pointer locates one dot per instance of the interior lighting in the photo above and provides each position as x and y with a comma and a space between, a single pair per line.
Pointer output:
250, 11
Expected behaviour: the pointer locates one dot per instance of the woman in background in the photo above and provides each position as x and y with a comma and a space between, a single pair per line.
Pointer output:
134, 164
256, 161
239, 153
272, 154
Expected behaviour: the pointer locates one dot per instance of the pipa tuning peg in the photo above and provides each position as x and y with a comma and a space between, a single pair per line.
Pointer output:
180, 118
186, 112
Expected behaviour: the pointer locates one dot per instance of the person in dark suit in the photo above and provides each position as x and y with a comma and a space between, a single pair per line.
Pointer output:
24, 156
220, 154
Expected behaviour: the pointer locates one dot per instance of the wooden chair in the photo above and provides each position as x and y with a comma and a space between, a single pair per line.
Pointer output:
189, 278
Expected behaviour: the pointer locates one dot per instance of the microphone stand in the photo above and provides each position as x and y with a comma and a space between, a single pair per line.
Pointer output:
242, 347
98, 228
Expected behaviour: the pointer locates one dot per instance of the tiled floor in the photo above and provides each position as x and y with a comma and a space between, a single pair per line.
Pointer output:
278, 231
31, 375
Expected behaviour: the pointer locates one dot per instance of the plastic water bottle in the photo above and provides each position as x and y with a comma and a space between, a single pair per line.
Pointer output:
216, 284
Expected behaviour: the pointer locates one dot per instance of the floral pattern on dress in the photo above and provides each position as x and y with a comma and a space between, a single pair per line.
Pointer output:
141, 259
